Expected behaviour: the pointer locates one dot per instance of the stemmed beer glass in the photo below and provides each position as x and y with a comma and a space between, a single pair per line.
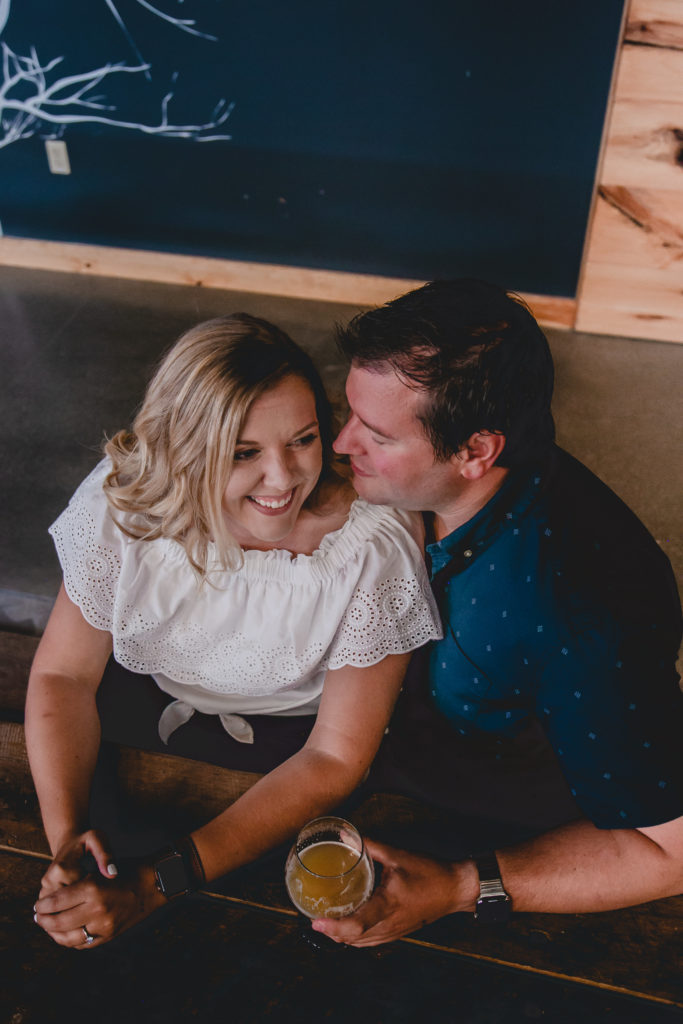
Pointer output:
328, 871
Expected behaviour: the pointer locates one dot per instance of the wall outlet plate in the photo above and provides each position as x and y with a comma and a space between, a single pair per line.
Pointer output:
57, 156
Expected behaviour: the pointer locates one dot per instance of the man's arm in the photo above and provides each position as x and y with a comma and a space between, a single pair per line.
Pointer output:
574, 869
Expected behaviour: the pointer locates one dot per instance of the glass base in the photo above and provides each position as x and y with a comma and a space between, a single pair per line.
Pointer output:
318, 941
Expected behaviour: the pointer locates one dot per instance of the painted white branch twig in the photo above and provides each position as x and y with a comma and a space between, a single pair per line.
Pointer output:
65, 101
29, 100
185, 24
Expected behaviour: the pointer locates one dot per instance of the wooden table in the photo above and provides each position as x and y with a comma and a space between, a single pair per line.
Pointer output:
236, 954
240, 956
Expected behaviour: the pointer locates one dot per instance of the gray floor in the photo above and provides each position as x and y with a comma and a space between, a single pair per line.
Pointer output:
75, 353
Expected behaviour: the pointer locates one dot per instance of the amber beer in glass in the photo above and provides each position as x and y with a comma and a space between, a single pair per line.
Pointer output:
328, 872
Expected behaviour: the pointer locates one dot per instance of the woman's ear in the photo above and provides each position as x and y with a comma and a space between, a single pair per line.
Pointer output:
479, 454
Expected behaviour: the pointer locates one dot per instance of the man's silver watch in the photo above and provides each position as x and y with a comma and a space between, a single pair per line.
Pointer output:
494, 905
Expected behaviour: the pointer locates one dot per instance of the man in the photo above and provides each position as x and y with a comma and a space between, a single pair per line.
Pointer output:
548, 719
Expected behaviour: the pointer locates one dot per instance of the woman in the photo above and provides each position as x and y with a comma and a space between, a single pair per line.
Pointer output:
217, 548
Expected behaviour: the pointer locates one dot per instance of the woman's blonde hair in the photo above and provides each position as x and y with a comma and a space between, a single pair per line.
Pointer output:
170, 472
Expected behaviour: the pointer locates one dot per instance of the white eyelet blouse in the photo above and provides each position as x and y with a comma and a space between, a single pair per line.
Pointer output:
254, 640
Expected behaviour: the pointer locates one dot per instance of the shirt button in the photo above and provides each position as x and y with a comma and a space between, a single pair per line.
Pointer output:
467, 553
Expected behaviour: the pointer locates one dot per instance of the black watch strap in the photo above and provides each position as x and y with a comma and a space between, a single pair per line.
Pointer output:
494, 905
178, 869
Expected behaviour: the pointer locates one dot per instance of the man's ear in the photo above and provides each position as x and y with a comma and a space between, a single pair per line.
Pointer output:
479, 454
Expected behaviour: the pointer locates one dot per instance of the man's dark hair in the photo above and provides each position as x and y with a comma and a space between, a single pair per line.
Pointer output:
477, 352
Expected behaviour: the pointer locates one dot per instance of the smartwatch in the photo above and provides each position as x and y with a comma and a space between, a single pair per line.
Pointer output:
178, 869
494, 905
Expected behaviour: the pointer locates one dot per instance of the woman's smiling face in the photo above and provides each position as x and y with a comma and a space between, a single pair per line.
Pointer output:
278, 460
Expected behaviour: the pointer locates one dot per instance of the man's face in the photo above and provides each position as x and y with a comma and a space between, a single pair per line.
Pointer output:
392, 460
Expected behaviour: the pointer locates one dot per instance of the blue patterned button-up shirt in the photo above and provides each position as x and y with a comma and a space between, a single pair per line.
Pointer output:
530, 632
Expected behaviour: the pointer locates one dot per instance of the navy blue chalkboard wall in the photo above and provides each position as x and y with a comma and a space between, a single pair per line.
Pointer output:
384, 136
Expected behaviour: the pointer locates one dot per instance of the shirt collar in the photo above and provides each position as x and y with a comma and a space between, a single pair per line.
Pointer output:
514, 499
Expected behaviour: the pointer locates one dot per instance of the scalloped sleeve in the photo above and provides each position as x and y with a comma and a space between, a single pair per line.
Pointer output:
90, 548
392, 609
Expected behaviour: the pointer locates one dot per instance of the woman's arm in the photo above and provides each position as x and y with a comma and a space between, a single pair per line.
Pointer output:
62, 724
354, 712
63, 737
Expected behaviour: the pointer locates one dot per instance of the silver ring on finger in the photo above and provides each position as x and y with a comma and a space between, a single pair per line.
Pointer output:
86, 935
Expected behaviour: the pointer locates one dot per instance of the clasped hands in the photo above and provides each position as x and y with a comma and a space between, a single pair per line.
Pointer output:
82, 907
413, 891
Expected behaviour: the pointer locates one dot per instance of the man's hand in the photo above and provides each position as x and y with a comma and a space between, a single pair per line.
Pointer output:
413, 891
97, 906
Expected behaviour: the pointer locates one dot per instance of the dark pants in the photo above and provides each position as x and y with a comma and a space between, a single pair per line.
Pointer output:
131, 704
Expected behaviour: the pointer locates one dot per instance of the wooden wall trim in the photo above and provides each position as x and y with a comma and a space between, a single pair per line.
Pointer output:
263, 278
601, 156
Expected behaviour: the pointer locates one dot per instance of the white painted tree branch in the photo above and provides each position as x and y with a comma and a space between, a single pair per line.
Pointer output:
20, 115
29, 98
185, 24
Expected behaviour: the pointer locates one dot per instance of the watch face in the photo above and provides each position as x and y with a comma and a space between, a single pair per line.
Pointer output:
493, 909
172, 875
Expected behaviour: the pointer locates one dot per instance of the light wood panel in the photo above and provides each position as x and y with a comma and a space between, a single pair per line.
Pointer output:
655, 23
640, 228
649, 74
632, 278
645, 145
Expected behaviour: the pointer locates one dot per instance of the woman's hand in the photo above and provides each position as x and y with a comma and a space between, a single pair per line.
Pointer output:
97, 905
70, 862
